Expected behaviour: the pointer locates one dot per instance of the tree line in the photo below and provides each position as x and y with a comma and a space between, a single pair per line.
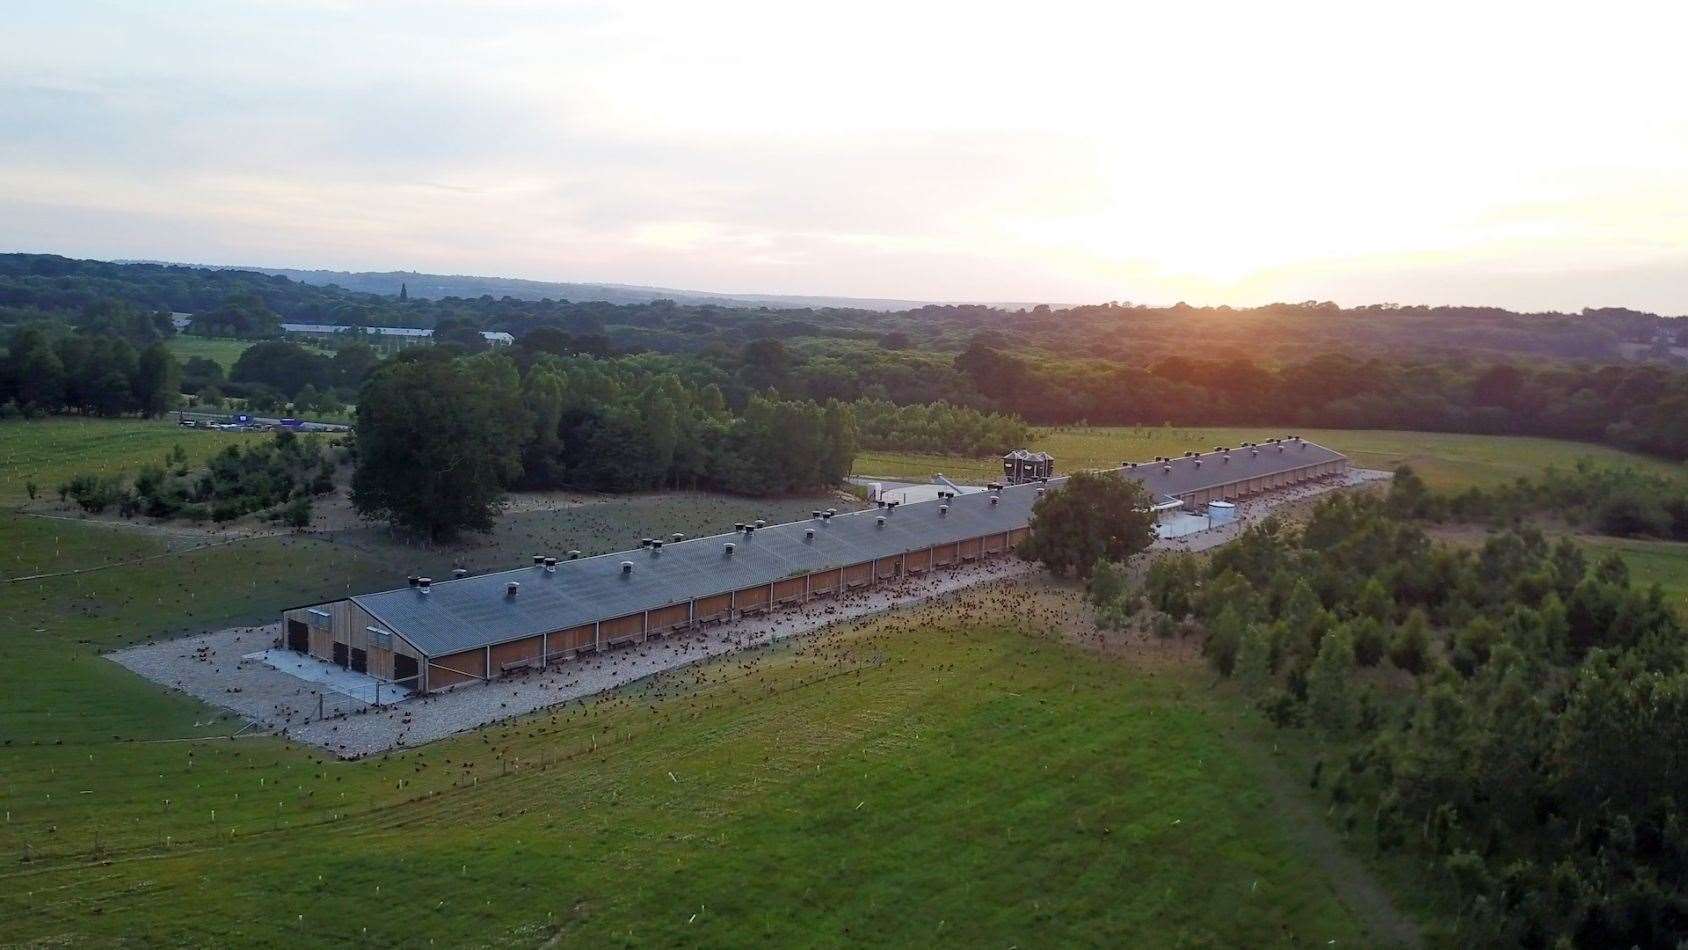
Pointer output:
441, 435
1512, 716
1618, 500
99, 374
1636, 406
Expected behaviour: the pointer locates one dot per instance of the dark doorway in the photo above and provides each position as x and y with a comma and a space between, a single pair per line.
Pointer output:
341, 657
360, 661
298, 636
405, 670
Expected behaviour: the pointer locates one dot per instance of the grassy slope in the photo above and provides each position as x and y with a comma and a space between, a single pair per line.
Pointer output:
1650, 562
50, 450
220, 350
1446, 461
957, 783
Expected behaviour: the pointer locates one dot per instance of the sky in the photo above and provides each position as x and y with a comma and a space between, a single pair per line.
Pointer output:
1529, 155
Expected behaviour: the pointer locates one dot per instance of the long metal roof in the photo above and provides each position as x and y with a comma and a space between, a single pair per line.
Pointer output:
473, 612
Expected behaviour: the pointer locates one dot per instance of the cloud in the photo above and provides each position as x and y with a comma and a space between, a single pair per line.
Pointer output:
1067, 152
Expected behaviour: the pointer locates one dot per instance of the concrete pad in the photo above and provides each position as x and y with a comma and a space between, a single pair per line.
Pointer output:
338, 679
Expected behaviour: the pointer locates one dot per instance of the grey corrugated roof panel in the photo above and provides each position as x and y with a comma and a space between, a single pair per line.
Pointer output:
473, 612
1187, 477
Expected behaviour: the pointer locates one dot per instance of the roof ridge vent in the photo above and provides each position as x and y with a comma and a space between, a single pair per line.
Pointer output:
626, 567
727, 549
512, 589
943, 510
458, 573
538, 559
880, 521
677, 537
574, 555
808, 534
423, 583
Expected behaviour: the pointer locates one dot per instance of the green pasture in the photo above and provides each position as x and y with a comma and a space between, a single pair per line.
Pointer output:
917, 779
955, 776
1445, 460
50, 450
218, 349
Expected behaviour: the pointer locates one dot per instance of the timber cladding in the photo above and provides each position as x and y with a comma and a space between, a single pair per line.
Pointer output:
516, 653
858, 574
917, 561
751, 598
465, 667
824, 582
667, 618
622, 629
575, 638
792, 588
714, 608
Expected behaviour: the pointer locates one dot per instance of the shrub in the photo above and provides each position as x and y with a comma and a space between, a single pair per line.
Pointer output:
93, 493
1410, 649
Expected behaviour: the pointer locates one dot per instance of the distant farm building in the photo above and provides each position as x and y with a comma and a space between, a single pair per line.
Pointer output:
429, 635
382, 338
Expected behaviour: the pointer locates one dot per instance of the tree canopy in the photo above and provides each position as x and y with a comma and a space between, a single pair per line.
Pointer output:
1092, 517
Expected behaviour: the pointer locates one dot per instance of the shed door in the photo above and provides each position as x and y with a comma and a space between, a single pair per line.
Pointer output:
298, 636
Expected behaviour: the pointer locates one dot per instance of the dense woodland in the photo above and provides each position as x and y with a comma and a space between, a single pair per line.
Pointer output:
440, 436
1613, 376
1514, 716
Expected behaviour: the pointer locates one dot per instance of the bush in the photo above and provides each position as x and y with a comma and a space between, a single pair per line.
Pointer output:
1410, 648
93, 493
1369, 641
1282, 708
296, 513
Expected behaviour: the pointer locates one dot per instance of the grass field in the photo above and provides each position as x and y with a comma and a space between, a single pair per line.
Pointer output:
963, 783
223, 351
960, 777
48, 451
1650, 562
1446, 461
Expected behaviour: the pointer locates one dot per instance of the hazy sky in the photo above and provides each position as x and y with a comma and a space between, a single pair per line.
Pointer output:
1532, 155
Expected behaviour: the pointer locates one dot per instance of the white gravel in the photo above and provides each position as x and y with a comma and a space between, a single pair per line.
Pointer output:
212, 667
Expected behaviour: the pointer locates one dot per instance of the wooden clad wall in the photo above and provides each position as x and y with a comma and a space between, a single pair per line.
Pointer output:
969, 549
824, 582
667, 618
858, 574
574, 638
349, 624
945, 554
516, 653
916, 561
751, 598
713, 608
625, 628
454, 668
888, 566
790, 589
